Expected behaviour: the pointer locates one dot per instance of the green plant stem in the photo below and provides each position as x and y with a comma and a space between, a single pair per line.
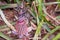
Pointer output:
8, 6
51, 3
57, 37
4, 36
38, 31
46, 36
6, 21
58, 1
40, 13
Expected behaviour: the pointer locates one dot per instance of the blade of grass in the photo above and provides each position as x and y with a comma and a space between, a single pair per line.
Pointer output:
58, 1
38, 31
17, 1
8, 1
40, 13
8, 6
45, 26
58, 17
44, 9
5, 26
51, 3
39, 22
56, 37
4, 36
32, 12
5, 20
51, 32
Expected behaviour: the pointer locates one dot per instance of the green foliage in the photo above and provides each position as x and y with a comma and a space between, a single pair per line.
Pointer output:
45, 26
17, 1
33, 12
4, 6
4, 36
56, 37
39, 22
51, 32
58, 17
39, 17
